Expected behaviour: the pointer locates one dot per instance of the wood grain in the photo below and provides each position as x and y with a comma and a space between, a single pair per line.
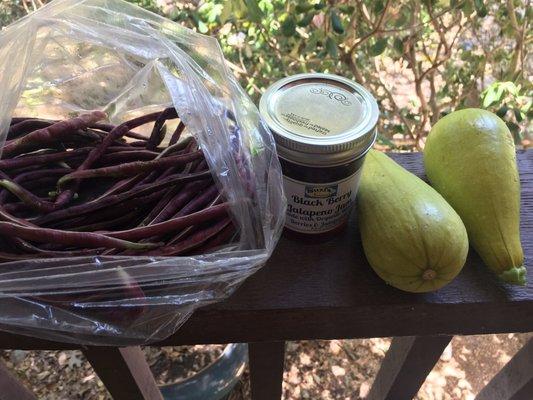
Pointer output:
124, 372
327, 290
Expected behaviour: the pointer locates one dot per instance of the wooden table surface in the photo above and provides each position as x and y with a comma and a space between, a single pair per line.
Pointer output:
327, 290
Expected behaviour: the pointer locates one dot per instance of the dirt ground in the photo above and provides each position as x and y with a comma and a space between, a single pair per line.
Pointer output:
338, 369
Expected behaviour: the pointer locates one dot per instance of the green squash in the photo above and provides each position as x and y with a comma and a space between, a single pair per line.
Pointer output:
470, 159
412, 238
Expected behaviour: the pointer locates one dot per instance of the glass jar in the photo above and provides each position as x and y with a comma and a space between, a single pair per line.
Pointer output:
323, 126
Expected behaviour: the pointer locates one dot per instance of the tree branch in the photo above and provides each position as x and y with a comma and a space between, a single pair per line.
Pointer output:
435, 110
375, 28
421, 24
446, 55
395, 108
517, 58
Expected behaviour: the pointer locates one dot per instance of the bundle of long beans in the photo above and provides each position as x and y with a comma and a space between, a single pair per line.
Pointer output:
81, 187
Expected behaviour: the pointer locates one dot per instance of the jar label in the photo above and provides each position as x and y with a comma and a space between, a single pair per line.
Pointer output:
319, 207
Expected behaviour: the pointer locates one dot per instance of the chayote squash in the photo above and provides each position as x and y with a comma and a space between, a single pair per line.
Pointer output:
412, 237
470, 159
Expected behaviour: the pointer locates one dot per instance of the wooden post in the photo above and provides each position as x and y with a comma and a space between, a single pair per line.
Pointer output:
406, 365
515, 380
125, 372
11, 388
267, 361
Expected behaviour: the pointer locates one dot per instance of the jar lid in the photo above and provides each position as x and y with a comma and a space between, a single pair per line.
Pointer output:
320, 114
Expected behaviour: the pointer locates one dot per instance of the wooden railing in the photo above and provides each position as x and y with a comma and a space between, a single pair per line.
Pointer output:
328, 291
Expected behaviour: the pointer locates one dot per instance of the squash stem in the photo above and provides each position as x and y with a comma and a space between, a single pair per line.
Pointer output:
514, 275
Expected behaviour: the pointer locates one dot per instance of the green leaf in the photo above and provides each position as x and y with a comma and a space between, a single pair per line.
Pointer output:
288, 27
467, 7
195, 18
482, 12
500, 88
481, 9
398, 45
210, 12
510, 87
378, 6
402, 19
336, 23
490, 97
254, 12
379, 47
399, 128
495, 92
320, 5
306, 20
303, 7
331, 47
232, 9
346, 9
202, 27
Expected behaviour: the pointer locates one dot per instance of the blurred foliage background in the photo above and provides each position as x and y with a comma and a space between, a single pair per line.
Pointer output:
421, 59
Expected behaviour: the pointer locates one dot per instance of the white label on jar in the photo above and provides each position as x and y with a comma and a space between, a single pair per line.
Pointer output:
319, 207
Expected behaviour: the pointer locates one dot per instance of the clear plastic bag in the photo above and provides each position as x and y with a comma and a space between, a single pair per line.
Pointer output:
73, 56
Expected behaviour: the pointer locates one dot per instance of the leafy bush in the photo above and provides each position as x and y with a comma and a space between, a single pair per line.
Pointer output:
421, 59
11, 10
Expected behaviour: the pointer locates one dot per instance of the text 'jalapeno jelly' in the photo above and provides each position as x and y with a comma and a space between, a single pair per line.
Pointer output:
323, 126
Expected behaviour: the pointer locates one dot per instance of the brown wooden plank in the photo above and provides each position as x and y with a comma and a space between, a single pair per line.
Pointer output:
405, 367
267, 361
124, 371
327, 290
515, 380
11, 388
525, 393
